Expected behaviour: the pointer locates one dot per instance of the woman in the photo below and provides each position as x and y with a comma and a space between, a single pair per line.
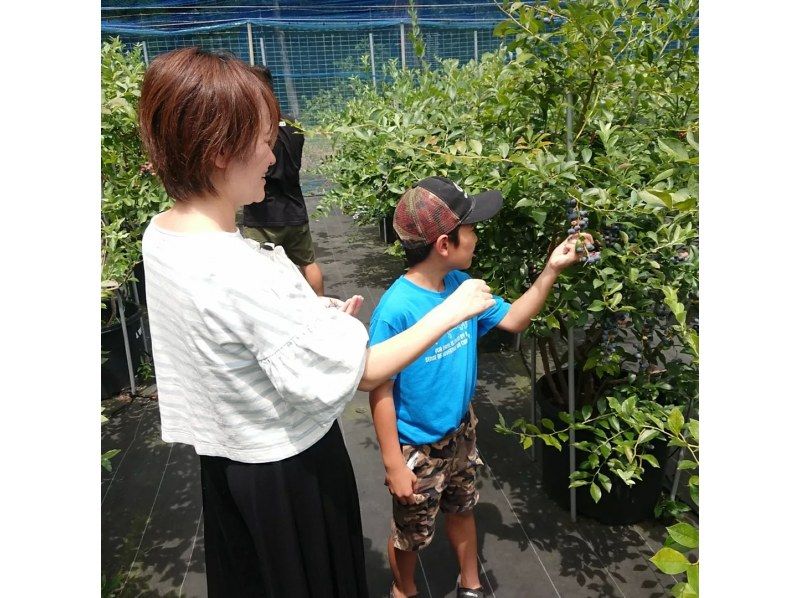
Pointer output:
253, 368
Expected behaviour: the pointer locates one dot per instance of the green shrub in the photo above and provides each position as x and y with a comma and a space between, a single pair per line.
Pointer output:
131, 193
625, 76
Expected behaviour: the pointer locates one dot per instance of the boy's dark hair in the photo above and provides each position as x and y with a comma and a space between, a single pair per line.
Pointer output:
415, 255
264, 74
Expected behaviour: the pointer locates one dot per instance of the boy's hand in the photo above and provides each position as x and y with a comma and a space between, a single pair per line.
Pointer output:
565, 255
469, 299
401, 482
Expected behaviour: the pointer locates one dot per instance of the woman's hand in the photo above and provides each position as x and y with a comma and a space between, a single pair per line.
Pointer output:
472, 297
351, 307
565, 255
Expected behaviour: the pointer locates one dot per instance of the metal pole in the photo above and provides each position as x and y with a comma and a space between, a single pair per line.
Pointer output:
533, 391
569, 124
127, 343
677, 477
475, 38
680, 457
403, 45
571, 363
144, 328
372, 60
250, 44
145, 54
263, 51
571, 385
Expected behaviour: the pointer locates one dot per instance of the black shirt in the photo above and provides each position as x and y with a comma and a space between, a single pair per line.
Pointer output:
284, 204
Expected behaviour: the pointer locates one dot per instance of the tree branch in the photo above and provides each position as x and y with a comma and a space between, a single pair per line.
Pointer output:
547, 373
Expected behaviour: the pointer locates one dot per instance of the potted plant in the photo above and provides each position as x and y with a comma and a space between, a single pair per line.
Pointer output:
131, 196
586, 121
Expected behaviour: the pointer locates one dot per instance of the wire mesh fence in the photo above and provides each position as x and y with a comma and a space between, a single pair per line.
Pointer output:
306, 63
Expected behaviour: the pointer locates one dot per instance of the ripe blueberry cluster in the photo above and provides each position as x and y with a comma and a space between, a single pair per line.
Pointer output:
682, 255
613, 330
611, 234
578, 220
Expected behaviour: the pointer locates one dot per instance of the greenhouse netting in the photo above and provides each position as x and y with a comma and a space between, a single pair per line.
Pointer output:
310, 46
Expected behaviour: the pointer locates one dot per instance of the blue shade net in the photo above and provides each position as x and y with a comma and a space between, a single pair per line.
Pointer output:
312, 47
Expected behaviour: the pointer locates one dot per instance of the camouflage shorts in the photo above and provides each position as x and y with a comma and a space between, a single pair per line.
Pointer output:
445, 473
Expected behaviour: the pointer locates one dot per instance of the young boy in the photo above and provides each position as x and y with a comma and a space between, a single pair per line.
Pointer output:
423, 418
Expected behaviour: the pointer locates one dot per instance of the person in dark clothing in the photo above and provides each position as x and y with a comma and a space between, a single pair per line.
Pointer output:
282, 218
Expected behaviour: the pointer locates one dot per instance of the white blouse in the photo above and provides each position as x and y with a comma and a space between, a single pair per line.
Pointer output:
250, 364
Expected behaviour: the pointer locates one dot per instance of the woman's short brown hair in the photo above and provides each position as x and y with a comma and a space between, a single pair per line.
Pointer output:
198, 105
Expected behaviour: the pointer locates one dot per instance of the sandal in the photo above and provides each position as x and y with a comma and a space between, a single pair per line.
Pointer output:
468, 592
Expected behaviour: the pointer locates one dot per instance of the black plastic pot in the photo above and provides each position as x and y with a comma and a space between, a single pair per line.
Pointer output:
386, 229
497, 340
624, 505
138, 272
114, 369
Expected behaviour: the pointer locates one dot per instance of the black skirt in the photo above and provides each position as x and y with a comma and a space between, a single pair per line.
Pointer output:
291, 528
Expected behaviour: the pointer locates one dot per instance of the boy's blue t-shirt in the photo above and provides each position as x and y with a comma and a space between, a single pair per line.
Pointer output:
432, 394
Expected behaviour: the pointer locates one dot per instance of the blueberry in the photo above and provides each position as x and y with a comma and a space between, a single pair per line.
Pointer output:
590, 247
571, 231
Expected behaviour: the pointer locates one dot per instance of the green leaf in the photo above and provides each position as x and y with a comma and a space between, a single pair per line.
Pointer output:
594, 490
675, 421
578, 483
550, 441
684, 534
652, 199
694, 429
503, 150
538, 216
502, 419
525, 202
596, 305
606, 483
586, 154
651, 460
685, 464
586, 412
683, 590
670, 561
527, 441
628, 405
663, 175
693, 577
646, 435
548, 423
674, 148
476, 146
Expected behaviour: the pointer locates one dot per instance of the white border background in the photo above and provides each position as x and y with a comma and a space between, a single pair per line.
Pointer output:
50, 246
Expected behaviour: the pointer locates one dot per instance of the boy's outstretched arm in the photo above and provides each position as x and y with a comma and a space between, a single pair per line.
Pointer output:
531, 302
399, 478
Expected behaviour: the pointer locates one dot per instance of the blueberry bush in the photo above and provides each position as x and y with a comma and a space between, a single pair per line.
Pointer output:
590, 112
131, 194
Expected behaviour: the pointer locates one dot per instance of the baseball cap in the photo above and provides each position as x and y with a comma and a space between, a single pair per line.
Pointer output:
435, 206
